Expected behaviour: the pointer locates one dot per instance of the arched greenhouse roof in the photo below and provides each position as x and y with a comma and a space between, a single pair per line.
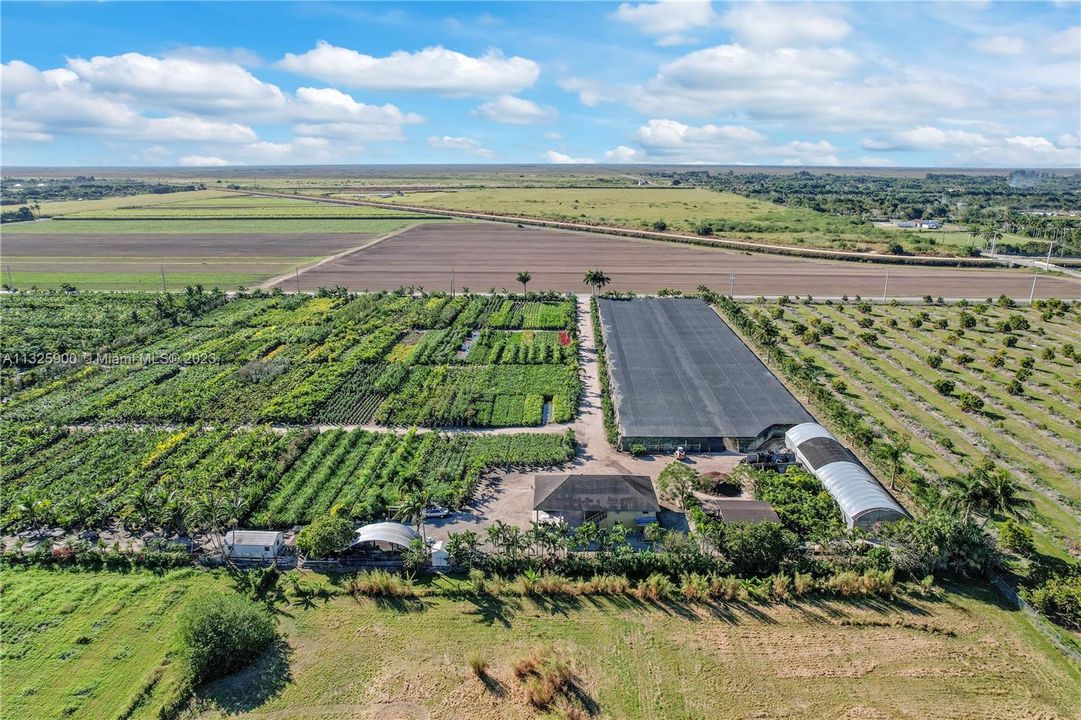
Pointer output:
862, 499
387, 532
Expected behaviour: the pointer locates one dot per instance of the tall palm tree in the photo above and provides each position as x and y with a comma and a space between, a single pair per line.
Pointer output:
412, 509
524, 278
986, 490
893, 454
596, 279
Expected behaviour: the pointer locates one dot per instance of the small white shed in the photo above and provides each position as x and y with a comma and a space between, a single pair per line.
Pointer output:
253, 544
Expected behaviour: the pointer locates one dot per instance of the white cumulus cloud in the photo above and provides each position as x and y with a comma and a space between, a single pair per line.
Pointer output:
559, 158
516, 111
785, 24
925, 138
462, 144
668, 18
202, 161
436, 69
179, 82
622, 154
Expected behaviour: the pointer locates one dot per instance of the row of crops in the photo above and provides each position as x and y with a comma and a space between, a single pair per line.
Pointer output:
182, 479
480, 361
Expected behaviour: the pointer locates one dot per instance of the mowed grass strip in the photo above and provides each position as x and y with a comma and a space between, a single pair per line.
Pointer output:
965, 656
115, 279
92, 645
224, 226
64, 207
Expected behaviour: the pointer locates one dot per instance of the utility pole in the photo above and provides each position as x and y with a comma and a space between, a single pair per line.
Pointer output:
297, 268
886, 286
162, 268
11, 283
452, 281
732, 284
1032, 293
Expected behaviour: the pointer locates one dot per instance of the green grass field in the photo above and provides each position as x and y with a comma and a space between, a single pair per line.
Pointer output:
101, 645
92, 645
1036, 435
681, 209
182, 226
85, 276
51, 209
961, 657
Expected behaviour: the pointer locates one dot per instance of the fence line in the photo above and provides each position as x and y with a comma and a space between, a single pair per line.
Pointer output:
1046, 628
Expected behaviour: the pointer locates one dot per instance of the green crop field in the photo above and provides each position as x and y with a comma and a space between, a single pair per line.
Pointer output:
93, 645
394, 359
159, 478
682, 210
907, 368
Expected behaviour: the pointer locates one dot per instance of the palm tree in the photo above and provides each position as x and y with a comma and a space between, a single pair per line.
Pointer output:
144, 506
463, 547
986, 490
524, 278
413, 507
994, 235
1002, 496
893, 454
596, 279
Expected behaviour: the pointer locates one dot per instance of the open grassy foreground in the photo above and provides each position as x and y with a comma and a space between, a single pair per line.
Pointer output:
682, 210
92, 645
962, 656
907, 368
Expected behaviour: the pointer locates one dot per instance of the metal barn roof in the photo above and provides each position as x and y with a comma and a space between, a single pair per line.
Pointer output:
594, 493
737, 509
252, 537
680, 371
387, 532
862, 499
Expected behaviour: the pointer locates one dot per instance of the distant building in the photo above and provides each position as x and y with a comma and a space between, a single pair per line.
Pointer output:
606, 500
253, 544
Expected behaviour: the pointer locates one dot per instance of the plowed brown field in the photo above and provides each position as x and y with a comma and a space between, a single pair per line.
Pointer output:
484, 256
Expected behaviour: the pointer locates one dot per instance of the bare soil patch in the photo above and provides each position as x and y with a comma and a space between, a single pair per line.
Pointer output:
487, 255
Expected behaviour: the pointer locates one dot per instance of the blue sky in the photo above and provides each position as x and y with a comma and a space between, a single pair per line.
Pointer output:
878, 84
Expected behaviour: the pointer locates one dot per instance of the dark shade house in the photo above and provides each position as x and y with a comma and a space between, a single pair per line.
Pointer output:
680, 376
607, 500
735, 510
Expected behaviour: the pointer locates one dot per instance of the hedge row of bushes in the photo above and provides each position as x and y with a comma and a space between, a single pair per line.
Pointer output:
611, 429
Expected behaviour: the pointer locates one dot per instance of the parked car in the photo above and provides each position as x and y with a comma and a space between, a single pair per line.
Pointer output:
436, 512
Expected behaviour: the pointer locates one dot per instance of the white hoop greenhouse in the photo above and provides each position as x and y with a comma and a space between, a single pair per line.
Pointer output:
862, 499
